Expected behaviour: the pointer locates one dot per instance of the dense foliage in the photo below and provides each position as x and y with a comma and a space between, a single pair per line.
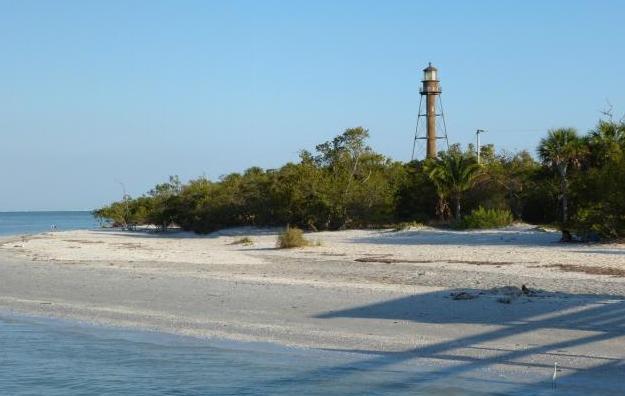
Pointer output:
487, 218
577, 183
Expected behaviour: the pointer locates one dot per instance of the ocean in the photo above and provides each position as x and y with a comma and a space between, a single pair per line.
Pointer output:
62, 358
54, 357
19, 223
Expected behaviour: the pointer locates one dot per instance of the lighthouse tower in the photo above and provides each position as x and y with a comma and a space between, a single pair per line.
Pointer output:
431, 90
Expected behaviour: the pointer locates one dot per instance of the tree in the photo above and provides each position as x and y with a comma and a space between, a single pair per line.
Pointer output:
344, 183
561, 150
453, 174
164, 203
357, 182
599, 191
605, 141
415, 195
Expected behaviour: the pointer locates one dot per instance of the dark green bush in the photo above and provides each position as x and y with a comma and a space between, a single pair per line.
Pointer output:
486, 218
343, 184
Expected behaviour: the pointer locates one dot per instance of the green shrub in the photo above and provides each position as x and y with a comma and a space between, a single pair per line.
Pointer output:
486, 218
243, 241
405, 225
292, 237
596, 222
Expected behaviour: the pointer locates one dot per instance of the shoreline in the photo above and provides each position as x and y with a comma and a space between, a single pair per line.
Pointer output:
530, 373
323, 298
137, 333
311, 364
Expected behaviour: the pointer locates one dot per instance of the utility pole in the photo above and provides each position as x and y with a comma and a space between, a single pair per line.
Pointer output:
477, 135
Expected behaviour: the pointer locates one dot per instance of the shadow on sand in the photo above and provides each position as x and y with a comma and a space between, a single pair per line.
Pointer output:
594, 319
180, 234
497, 237
615, 251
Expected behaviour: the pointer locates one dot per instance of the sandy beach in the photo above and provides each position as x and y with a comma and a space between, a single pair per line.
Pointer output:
449, 298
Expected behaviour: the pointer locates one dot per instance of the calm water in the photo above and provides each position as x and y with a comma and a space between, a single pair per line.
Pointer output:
17, 223
49, 357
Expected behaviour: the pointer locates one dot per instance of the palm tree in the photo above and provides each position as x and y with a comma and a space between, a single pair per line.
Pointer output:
561, 150
453, 174
606, 140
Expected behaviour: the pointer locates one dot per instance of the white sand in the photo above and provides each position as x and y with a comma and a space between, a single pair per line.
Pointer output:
321, 297
518, 250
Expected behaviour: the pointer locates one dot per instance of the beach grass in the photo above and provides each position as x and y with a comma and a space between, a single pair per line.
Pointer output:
292, 237
245, 241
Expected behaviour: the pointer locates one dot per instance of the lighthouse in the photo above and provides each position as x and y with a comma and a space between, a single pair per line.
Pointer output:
431, 89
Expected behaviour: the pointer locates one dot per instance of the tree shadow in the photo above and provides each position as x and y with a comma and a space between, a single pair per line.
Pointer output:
616, 251
575, 321
438, 307
495, 237
180, 234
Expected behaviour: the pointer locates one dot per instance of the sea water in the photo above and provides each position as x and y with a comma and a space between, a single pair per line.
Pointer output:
52, 357
19, 223
62, 358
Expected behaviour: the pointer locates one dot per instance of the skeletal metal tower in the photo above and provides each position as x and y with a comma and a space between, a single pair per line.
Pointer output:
431, 89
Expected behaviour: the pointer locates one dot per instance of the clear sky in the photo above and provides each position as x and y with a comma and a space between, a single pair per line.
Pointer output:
94, 93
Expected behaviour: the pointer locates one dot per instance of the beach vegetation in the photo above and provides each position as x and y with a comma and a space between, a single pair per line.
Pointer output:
453, 174
561, 151
482, 218
598, 189
246, 241
406, 225
292, 237
164, 203
575, 182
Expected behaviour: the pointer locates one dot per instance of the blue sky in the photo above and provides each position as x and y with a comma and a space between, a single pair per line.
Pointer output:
96, 92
